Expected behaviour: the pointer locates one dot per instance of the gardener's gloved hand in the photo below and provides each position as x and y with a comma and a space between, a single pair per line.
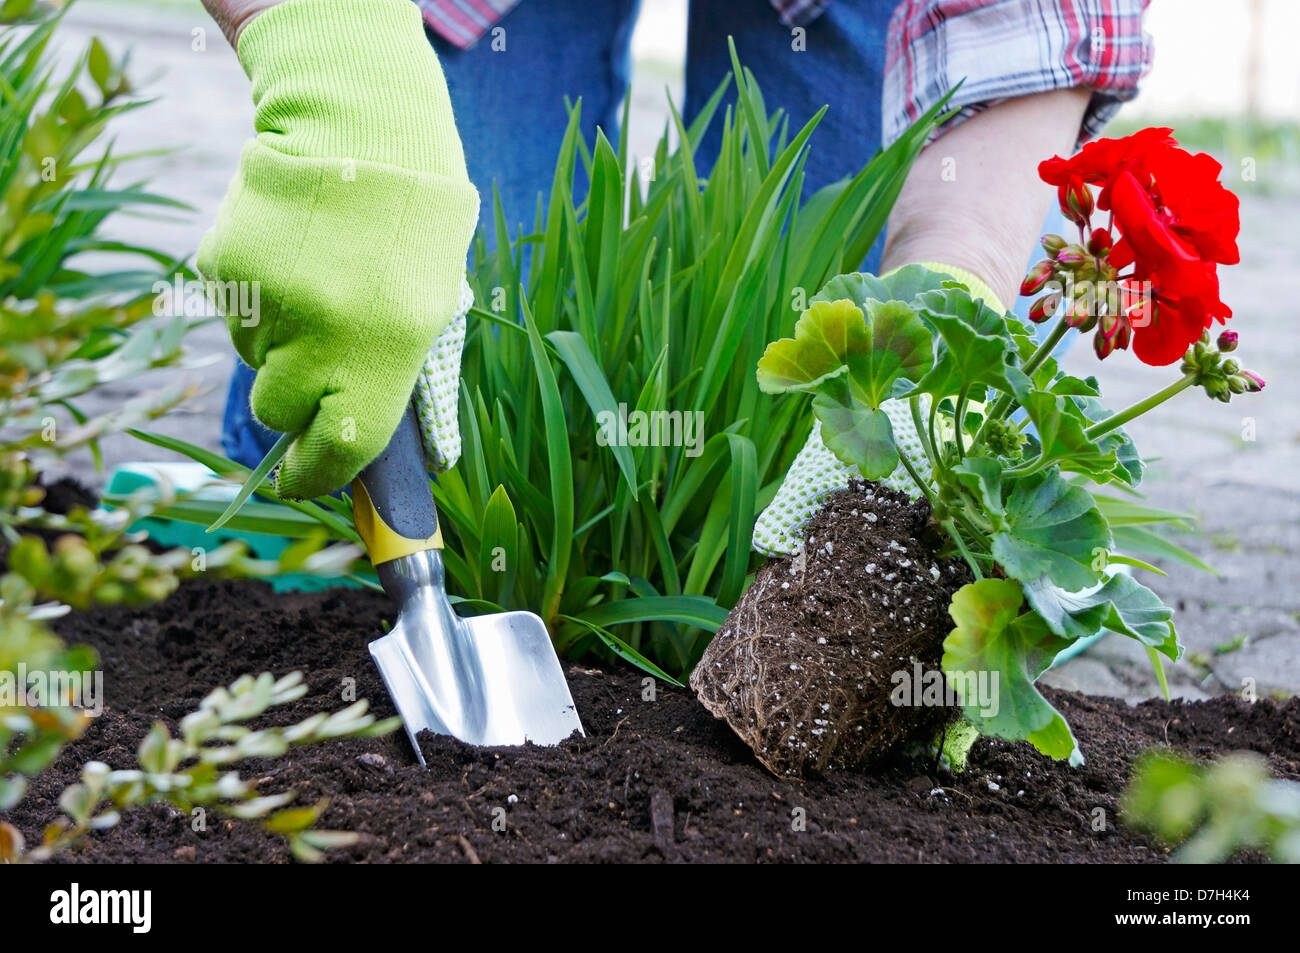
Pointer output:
816, 472
352, 212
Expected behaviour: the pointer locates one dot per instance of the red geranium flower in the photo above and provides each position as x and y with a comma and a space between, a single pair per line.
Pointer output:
1184, 286
1176, 222
1100, 161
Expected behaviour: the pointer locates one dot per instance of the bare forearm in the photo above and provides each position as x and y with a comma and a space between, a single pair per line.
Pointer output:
974, 200
233, 15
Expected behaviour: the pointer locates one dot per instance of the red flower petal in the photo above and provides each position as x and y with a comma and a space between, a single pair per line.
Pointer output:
1166, 339
1204, 213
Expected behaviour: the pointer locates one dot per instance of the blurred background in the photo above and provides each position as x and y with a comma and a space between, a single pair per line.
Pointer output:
1226, 77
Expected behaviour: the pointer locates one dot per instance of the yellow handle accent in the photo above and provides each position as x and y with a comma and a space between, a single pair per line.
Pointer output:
383, 543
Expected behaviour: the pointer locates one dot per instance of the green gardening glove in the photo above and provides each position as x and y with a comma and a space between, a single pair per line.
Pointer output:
352, 212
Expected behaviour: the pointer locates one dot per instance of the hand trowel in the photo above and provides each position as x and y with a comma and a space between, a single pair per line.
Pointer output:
488, 679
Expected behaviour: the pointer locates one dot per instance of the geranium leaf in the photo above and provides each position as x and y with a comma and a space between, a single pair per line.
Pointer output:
1129, 467
993, 637
976, 347
1061, 426
900, 347
825, 336
858, 287
856, 433
1121, 604
1051, 529
1067, 385
877, 350
904, 285
983, 477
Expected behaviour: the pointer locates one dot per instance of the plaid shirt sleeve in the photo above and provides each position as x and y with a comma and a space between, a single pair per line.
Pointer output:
462, 22
1006, 48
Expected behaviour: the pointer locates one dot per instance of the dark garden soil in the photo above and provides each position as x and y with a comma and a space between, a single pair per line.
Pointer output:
805, 667
653, 780
65, 493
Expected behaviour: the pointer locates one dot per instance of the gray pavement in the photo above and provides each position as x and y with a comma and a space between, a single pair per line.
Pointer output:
1233, 466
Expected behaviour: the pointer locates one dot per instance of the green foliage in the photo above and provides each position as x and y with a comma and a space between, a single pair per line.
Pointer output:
1017, 507
655, 297
975, 349
661, 301
1048, 528
1214, 810
185, 772
54, 192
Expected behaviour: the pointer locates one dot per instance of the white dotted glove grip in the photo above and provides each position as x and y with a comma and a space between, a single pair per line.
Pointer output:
437, 386
817, 473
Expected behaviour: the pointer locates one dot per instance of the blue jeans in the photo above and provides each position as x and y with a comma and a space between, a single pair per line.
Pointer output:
509, 104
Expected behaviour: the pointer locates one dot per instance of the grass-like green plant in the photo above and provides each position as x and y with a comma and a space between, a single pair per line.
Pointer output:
659, 297
66, 331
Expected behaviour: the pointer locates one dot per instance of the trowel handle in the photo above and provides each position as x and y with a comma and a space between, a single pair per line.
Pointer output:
392, 501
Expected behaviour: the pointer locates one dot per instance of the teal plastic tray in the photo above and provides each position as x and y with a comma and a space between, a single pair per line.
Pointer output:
195, 478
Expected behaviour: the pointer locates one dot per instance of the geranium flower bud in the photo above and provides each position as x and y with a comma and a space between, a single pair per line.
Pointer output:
1230, 366
1076, 201
1113, 333
1228, 341
1045, 307
1071, 256
1123, 336
1103, 345
1037, 276
1079, 315
1254, 383
1052, 244
1100, 241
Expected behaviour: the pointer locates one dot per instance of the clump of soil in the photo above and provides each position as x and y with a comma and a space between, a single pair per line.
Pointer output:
63, 495
655, 779
806, 663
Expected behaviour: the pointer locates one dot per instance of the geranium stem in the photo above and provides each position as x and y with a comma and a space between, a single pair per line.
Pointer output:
1104, 427
1047, 347
951, 527
1004, 402
960, 422
916, 477
914, 404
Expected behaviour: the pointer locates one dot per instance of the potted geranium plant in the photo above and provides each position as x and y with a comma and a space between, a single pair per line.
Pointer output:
1012, 532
